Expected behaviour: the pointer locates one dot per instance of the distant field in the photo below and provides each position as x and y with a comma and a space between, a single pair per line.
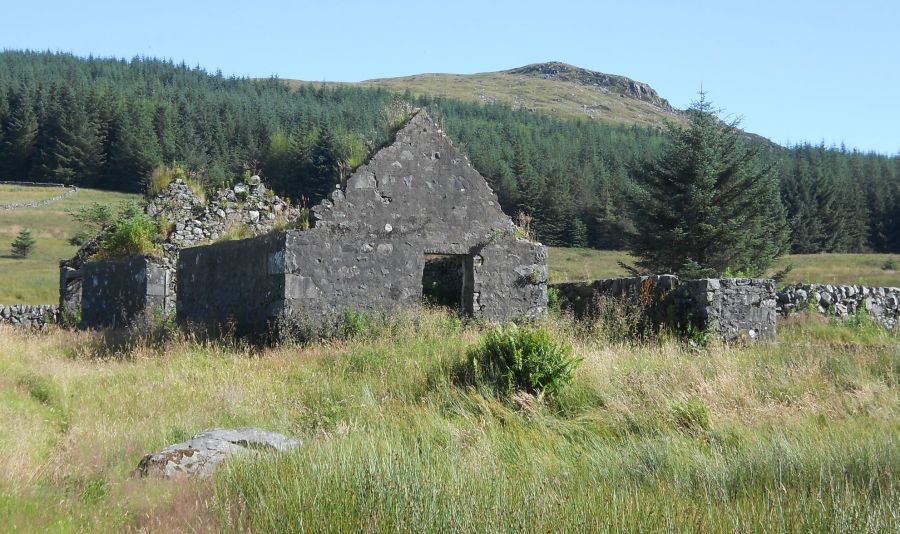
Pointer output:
567, 264
18, 194
35, 280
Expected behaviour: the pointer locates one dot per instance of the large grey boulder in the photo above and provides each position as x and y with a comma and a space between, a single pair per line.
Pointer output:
200, 455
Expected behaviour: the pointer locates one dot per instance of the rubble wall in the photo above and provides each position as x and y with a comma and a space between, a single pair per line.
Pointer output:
233, 286
30, 316
881, 303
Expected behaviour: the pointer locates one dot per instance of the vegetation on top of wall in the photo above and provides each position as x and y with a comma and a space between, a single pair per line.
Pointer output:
163, 175
133, 232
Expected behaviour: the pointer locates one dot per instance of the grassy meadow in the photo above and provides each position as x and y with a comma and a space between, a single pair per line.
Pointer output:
35, 279
799, 435
571, 264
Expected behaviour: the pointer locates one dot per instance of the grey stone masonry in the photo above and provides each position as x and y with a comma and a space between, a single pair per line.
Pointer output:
737, 308
188, 221
31, 316
116, 292
367, 251
881, 303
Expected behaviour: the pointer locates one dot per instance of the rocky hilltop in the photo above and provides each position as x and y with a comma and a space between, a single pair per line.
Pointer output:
555, 70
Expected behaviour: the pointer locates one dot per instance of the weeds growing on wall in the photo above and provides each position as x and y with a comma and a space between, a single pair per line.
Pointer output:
132, 233
164, 175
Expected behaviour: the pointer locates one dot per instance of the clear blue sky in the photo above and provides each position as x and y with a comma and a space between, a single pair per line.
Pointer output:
795, 71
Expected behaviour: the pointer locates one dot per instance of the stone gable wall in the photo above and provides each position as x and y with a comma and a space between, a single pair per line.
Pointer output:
368, 247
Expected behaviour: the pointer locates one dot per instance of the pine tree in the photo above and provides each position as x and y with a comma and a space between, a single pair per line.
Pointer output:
20, 131
24, 244
326, 156
705, 204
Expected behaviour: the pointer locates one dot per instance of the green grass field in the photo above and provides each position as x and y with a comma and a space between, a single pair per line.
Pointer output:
35, 280
570, 264
795, 436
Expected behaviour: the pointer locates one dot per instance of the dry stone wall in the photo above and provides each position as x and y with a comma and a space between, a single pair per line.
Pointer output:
881, 303
37, 316
70, 190
737, 308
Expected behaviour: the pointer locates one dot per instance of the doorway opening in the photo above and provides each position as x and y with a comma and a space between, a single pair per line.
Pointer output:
446, 281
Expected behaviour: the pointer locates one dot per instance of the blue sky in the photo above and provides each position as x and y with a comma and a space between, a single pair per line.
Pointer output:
795, 71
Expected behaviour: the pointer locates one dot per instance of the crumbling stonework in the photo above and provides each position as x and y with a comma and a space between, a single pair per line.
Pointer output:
881, 303
193, 221
367, 250
189, 221
116, 292
735, 307
37, 316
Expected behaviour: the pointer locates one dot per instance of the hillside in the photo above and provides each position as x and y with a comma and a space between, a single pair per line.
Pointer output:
553, 88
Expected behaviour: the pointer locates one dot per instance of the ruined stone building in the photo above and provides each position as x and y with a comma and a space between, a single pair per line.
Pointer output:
416, 223
416, 220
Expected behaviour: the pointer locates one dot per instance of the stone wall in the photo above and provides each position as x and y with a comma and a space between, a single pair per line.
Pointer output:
193, 221
881, 303
70, 190
116, 292
32, 316
735, 307
738, 307
232, 286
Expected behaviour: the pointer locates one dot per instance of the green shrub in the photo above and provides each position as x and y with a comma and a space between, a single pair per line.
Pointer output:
353, 324
889, 264
81, 237
513, 358
133, 232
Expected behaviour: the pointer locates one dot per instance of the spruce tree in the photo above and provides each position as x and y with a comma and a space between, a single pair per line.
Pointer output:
24, 244
706, 205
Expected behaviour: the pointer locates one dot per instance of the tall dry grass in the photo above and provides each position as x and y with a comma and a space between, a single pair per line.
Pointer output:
652, 435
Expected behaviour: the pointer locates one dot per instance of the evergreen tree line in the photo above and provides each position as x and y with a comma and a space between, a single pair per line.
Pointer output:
108, 123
